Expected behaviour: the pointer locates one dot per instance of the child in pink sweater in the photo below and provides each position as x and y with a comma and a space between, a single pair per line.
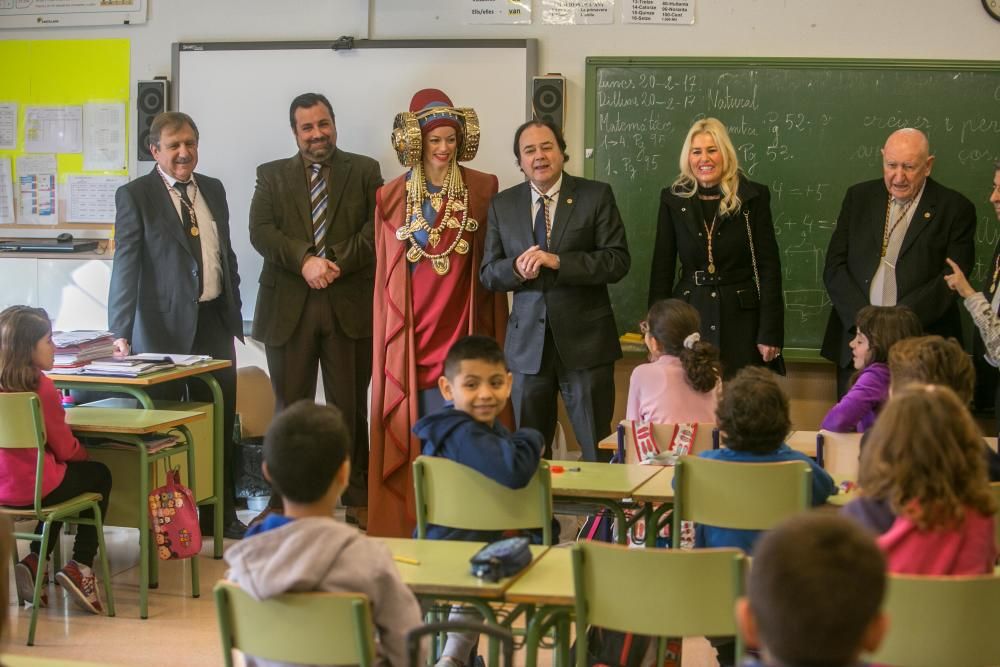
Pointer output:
26, 350
925, 457
681, 382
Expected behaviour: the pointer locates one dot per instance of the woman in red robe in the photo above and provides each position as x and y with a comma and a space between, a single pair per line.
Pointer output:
430, 226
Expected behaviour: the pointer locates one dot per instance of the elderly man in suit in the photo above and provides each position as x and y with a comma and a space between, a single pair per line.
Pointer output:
312, 219
174, 280
557, 241
889, 247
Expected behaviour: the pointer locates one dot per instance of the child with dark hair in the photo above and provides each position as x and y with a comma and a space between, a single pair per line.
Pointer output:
877, 329
681, 383
924, 457
753, 422
477, 384
923, 360
26, 351
305, 549
814, 594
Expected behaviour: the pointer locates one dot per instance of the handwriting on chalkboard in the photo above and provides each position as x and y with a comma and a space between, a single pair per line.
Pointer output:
807, 130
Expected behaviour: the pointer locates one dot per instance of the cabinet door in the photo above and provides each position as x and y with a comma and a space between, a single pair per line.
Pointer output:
75, 292
18, 281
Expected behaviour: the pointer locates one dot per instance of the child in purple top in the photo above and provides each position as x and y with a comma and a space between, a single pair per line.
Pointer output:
877, 328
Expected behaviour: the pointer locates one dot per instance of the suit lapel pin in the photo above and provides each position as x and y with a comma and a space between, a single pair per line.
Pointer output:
683, 209
927, 215
569, 200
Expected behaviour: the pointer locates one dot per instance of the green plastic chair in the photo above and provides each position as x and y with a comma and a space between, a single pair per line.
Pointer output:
937, 621
308, 628
22, 427
747, 496
454, 495
658, 592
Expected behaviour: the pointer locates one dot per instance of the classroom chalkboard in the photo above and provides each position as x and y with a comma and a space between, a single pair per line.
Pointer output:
807, 129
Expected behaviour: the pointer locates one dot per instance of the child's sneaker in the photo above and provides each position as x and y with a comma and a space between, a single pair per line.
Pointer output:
81, 583
24, 576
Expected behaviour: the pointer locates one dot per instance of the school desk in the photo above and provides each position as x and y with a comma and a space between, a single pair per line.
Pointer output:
129, 425
607, 485
439, 570
547, 587
137, 388
657, 495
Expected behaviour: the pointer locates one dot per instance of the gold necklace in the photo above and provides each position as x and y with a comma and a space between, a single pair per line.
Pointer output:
709, 231
454, 197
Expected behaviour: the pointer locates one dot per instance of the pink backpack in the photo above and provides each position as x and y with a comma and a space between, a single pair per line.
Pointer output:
173, 515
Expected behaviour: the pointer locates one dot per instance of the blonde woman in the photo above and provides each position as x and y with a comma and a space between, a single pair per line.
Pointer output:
716, 249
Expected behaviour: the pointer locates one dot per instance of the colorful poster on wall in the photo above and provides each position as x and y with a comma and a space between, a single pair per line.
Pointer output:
37, 196
662, 12
497, 11
578, 12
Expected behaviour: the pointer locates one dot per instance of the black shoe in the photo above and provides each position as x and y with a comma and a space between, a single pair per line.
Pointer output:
233, 529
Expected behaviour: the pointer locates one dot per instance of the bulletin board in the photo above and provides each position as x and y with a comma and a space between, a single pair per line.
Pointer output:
63, 72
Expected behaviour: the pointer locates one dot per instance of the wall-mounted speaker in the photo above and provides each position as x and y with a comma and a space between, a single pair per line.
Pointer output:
548, 98
151, 99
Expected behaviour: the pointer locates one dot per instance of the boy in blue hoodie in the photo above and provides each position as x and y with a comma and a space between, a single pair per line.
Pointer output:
477, 384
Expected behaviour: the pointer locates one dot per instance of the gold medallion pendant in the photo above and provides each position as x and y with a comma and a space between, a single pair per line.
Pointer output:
441, 265
194, 231
711, 267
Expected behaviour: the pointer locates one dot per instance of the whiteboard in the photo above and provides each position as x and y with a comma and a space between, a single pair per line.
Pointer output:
238, 94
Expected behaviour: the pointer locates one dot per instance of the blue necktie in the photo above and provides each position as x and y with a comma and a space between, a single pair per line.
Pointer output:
542, 222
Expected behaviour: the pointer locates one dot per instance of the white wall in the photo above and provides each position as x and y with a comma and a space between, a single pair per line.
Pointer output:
947, 29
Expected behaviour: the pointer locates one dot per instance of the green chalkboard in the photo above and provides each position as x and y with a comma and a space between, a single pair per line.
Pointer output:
807, 129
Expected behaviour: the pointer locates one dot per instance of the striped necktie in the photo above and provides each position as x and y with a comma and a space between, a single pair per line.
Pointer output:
543, 225
318, 199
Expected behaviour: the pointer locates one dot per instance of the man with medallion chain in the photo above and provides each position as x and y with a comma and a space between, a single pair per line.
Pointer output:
430, 224
311, 219
557, 241
174, 280
890, 244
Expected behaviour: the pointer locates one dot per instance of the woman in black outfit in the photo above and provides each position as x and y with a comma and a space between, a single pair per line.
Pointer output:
718, 223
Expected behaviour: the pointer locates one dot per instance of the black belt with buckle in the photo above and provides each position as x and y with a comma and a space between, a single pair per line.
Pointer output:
705, 278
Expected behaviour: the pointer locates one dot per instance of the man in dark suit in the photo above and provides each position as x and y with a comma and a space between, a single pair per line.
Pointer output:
174, 281
890, 244
557, 241
312, 219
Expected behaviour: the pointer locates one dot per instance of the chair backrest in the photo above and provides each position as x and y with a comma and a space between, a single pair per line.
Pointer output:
838, 453
309, 628
659, 592
749, 496
941, 621
254, 400
454, 495
22, 427
704, 438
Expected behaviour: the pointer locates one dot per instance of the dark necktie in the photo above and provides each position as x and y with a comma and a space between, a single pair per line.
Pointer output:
542, 224
190, 223
318, 201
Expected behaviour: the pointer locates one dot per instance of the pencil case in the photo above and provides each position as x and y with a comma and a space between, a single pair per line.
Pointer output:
501, 559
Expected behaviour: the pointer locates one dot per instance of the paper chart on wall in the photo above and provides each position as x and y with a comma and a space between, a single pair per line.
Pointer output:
53, 129
8, 126
104, 137
38, 199
6, 193
578, 12
92, 198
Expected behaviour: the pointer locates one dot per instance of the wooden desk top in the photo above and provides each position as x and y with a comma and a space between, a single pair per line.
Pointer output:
659, 489
443, 567
549, 580
175, 373
127, 420
803, 441
600, 480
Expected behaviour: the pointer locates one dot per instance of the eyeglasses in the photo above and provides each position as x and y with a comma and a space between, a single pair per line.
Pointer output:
644, 327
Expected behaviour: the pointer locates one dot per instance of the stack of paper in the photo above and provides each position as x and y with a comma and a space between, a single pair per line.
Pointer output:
124, 367
76, 348
176, 359
153, 442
